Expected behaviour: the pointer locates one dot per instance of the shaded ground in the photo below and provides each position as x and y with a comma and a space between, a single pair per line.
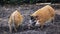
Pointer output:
25, 10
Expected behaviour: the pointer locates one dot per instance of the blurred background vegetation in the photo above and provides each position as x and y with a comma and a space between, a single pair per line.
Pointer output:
27, 1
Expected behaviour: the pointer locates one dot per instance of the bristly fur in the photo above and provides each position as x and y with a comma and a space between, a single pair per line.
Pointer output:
16, 18
44, 14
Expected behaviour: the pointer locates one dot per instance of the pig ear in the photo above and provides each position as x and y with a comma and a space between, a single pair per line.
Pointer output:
30, 16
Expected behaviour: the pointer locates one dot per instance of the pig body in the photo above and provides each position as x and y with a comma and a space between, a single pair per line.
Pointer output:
43, 15
16, 18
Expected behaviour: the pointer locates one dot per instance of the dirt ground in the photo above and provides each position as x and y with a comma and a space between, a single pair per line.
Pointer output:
26, 10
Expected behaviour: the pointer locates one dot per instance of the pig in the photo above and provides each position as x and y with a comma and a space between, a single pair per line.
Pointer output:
15, 19
41, 16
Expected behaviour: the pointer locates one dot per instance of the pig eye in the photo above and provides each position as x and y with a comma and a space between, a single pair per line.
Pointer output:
36, 16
